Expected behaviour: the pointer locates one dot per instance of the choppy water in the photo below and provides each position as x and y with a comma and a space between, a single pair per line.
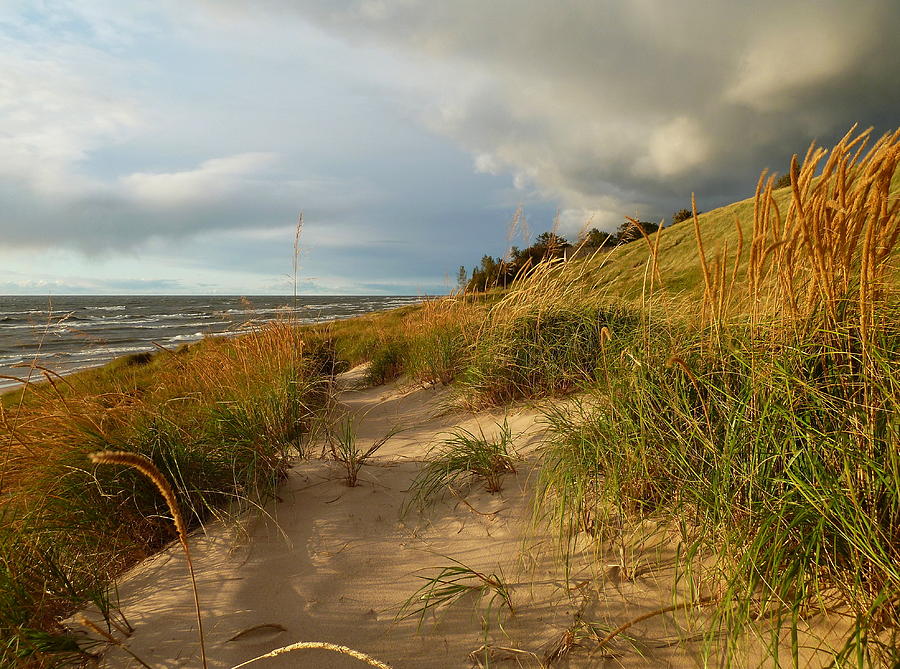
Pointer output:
69, 333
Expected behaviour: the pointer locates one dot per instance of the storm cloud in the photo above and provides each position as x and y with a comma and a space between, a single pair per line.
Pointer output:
190, 135
611, 106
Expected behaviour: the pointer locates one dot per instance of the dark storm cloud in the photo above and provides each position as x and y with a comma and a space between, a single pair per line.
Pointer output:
606, 105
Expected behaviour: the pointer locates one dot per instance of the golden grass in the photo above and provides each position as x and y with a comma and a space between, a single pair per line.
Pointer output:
834, 238
323, 645
146, 467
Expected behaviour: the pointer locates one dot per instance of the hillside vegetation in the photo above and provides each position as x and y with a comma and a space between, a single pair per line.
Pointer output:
222, 421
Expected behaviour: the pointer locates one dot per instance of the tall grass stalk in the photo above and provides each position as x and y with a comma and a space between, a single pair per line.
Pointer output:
146, 467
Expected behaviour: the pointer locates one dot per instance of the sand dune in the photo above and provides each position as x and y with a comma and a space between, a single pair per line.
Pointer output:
332, 563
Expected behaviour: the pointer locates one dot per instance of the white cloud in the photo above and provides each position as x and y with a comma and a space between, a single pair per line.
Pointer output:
213, 180
677, 146
785, 59
486, 164
52, 115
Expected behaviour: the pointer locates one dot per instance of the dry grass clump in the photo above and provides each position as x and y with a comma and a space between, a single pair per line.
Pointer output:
831, 244
221, 420
438, 340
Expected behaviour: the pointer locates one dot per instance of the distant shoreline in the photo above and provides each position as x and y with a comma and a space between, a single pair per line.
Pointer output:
82, 333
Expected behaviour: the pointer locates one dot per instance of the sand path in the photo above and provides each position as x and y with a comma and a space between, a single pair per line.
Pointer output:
333, 563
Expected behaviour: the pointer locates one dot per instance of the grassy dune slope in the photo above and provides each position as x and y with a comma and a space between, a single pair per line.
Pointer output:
221, 420
622, 272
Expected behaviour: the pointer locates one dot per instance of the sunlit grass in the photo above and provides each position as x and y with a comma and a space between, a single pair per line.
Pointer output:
462, 459
222, 420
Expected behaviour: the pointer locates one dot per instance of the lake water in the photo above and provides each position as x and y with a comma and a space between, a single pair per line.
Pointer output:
69, 333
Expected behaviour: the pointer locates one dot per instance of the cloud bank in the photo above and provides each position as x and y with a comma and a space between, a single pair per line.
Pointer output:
608, 106
408, 130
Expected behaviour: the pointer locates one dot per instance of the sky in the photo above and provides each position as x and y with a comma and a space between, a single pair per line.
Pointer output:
167, 146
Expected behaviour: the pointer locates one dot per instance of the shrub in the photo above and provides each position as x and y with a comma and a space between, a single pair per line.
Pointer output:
682, 215
387, 362
782, 182
548, 351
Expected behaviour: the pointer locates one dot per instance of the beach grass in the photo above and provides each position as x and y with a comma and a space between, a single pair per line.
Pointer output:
462, 459
766, 431
221, 420
736, 381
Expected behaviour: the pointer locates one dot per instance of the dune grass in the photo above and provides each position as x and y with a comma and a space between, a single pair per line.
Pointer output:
428, 343
452, 583
462, 459
221, 420
342, 442
766, 431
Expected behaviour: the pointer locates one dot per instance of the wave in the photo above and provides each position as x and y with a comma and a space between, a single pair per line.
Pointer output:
186, 337
105, 351
265, 310
75, 334
182, 314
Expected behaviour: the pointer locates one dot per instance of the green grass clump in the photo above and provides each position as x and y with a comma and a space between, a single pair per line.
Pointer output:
451, 584
462, 459
437, 355
342, 442
782, 460
387, 362
549, 351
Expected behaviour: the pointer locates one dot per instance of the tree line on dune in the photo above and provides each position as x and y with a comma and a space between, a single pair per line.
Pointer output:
494, 272
501, 272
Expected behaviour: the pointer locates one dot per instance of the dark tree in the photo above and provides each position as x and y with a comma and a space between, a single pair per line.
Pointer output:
502, 272
628, 231
782, 182
596, 239
462, 277
682, 215
551, 241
